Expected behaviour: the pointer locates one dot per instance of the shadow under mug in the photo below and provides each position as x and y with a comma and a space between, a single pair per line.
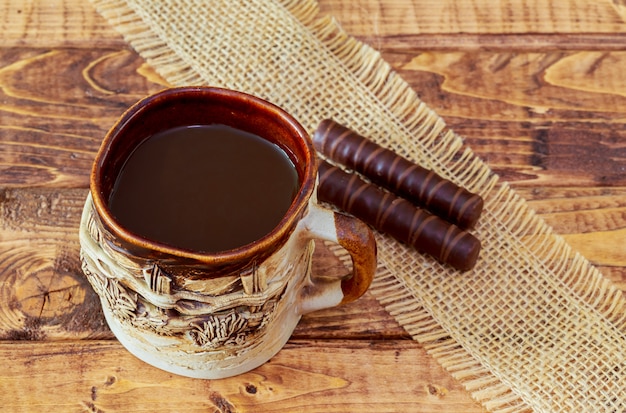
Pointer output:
215, 315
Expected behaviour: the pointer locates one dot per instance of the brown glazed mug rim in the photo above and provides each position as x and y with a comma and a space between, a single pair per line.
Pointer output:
127, 240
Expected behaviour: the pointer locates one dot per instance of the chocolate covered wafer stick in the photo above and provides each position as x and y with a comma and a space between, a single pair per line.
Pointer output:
398, 217
397, 174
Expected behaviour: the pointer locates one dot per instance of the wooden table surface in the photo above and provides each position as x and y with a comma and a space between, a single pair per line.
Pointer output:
537, 88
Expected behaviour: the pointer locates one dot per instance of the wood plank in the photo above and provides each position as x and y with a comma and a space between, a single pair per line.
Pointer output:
398, 17
54, 23
552, 128
75, 23
311, 376
579, 210
527, 85
524, 42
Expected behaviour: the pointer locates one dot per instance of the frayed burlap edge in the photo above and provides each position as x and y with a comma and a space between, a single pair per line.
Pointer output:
447, 155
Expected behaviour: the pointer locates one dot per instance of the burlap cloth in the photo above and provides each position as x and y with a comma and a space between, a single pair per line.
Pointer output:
534, 327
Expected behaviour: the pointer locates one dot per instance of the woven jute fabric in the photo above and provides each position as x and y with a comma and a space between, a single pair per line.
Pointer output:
534, 326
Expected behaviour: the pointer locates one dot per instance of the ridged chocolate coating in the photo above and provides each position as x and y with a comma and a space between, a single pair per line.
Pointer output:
397, 174
398, 217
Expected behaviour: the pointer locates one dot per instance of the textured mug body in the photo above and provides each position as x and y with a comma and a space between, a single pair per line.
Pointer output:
214, 315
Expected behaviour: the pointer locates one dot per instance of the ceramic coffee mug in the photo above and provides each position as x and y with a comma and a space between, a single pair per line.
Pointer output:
214, 315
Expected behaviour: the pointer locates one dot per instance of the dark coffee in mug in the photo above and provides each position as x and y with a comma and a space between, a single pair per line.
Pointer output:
205, 188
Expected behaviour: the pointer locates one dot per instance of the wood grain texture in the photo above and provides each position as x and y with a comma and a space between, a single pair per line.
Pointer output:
591, 219
535, 88
307, 376
389, 18
536, 118
42, 292
53, 23
56, 107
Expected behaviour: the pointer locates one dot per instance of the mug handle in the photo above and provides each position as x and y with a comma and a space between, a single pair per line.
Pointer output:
356, 238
